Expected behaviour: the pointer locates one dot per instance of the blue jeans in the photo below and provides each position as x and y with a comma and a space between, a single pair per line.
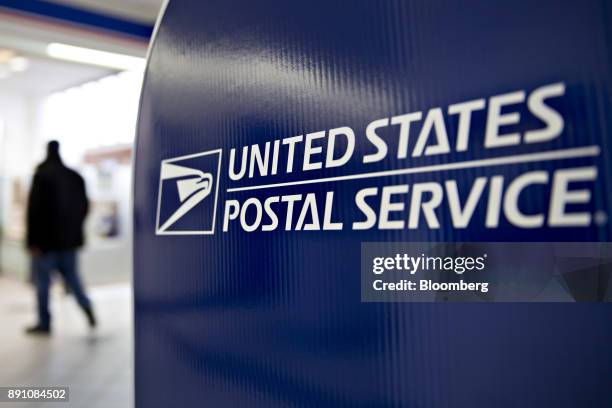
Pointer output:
43, 266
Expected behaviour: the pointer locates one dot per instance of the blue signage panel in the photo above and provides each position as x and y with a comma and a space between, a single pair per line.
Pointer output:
300, 166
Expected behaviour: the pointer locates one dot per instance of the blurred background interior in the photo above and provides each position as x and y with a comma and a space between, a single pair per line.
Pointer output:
71, 71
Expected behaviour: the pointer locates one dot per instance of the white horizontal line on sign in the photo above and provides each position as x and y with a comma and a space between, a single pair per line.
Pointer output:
587, 151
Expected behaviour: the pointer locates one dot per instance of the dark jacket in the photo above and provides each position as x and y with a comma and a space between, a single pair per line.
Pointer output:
57, 207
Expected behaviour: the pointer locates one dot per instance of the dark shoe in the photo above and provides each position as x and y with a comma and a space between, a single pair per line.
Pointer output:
38, 330
91, 318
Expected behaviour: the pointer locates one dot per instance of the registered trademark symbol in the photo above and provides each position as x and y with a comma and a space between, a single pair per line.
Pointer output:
600, 217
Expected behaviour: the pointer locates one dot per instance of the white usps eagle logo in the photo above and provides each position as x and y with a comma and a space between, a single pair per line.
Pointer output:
187, 197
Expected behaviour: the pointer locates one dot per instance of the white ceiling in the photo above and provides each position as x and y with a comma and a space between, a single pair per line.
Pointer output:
45, 76
139, 10
30, 37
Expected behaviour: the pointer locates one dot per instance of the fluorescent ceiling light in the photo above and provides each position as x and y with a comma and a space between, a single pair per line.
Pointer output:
95, 57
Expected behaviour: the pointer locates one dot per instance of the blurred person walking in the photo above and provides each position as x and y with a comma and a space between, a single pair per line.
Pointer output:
57, 207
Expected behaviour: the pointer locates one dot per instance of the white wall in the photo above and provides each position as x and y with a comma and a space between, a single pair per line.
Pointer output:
29, 122
19, 151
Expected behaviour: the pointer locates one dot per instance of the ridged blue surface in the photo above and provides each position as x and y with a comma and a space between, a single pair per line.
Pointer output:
274, 319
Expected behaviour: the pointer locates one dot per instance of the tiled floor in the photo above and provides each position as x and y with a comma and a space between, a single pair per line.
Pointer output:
96, 365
